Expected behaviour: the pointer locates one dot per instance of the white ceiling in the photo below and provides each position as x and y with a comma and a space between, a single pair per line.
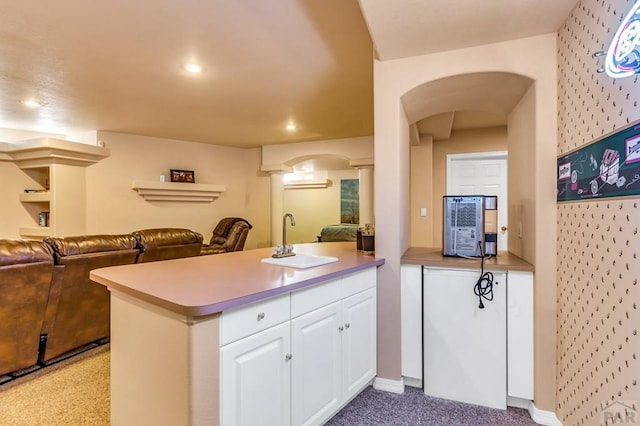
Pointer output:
116, 65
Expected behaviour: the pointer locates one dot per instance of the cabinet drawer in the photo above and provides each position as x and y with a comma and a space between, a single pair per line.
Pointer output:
358, 281
246, 320
314, 297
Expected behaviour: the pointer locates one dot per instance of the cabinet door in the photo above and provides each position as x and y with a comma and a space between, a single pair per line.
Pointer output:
411, 320
465, 353
520, 334
358, 341
255, 379
316, 365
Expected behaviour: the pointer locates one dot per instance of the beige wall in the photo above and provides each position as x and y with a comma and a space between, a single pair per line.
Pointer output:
529, 243
113, 207
598, 358
315, 208
393, 79
521, 187
421, 182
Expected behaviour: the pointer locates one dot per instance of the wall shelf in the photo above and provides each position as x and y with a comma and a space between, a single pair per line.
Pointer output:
40, 231
177, 191
35, 197
62, 164
46, 151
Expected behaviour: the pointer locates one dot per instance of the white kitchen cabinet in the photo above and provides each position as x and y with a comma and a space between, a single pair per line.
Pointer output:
255, 379
317, 367
520, 335
334, 351
465, 347
519, 325
358, 342
298, 358
411, 323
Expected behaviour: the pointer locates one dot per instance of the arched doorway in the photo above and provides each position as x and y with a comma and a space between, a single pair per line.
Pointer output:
279, 160
461, 114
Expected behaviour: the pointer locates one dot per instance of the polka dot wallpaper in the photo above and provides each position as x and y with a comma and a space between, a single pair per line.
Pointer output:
598, 342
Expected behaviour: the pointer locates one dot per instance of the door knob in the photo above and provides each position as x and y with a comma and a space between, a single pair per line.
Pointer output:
503, 229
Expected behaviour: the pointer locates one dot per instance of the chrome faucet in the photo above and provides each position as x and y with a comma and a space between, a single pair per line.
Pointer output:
285, 249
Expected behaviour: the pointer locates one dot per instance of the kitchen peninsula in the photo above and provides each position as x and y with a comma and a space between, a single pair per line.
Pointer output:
228, 339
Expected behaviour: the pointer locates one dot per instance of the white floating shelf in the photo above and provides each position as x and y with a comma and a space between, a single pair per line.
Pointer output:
35, 153
177, 191
40, 231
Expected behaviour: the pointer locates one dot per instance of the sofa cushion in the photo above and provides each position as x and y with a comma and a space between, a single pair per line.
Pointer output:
14, 252
26, 269
167, 243
70, 246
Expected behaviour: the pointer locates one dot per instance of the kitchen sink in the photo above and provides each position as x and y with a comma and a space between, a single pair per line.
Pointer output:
300, 261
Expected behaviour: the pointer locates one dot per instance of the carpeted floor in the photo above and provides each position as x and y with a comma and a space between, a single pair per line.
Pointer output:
76, 392
374, 407
72, 392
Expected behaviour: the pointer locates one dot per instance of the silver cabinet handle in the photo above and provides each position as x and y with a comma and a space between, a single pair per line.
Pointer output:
288, 357
260, 316
341, 328
347, 325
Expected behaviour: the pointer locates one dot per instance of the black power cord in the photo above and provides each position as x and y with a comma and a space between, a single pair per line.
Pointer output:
484, 286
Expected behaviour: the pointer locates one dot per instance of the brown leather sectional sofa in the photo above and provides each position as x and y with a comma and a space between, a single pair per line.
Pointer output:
50, 309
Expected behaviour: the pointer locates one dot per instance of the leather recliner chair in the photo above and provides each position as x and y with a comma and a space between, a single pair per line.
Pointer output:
167, 243
26, 269
230, 234
78, 311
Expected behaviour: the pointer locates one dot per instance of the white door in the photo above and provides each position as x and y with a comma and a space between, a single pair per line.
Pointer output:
256, 379
358, 341
316, 366
483, 173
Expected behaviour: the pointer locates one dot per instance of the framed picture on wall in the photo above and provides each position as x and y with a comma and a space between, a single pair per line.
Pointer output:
349, 201
187, 176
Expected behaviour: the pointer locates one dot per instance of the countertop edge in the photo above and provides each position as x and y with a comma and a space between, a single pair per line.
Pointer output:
214, 308
229, 304
429, 256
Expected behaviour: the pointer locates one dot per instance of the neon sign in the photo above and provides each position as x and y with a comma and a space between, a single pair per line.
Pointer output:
623, 56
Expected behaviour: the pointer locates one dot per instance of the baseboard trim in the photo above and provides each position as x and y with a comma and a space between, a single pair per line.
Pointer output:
388, 385
542, 417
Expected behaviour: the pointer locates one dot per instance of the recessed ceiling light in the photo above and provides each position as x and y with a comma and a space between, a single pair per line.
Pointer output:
32, 104
291, 126
193, 68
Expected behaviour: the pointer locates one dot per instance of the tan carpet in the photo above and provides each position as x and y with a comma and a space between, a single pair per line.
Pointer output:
73, 392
